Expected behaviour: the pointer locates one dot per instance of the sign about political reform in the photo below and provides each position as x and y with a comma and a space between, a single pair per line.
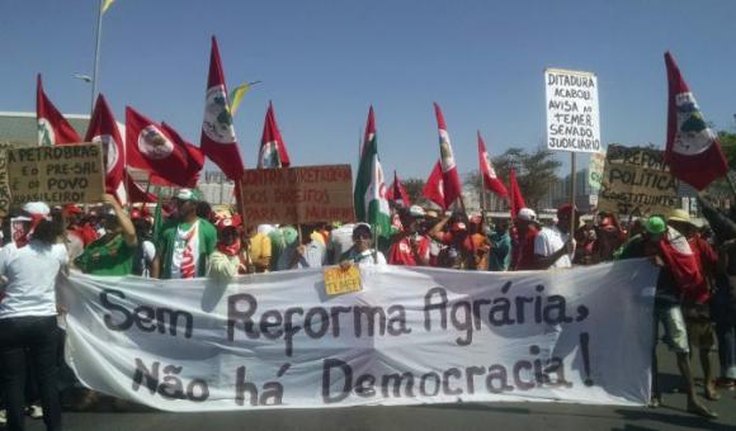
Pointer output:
572, 111
408, 336
56, 174
307, 194
637, 182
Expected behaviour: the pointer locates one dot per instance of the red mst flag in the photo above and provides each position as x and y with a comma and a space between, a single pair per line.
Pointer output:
273, 152
150, 147
490, 180
451, 180
53, 129
103, 128
692, 151
218, 140
434, 189
397, 192
516, 200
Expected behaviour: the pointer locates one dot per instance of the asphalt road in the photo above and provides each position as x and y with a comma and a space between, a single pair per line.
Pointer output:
460, 417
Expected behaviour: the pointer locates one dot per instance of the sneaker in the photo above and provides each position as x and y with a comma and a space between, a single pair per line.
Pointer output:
3, 417
34, 411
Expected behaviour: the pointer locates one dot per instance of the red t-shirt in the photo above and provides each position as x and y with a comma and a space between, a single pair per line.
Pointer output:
525, 257
401, 253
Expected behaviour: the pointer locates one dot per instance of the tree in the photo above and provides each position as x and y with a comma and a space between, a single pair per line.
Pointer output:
728, 144
535, 172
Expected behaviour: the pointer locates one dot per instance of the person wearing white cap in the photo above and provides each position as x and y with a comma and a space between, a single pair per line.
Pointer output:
29, 334
527, 228
185, 247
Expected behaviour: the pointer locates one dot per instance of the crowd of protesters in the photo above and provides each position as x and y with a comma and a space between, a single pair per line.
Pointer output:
695, 301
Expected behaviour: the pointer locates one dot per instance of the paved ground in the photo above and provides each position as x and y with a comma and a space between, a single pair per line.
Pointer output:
460, 417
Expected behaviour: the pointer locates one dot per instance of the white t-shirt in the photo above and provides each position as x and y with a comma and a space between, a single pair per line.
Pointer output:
548, 241
31, 272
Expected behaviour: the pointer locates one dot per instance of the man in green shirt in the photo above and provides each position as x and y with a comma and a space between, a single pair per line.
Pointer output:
184, 246
112, 254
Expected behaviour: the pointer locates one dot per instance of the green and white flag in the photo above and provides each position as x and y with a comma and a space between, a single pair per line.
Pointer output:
371, 205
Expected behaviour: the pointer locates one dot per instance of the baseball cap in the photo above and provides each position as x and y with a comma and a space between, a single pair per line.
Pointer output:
527, 214
37, 208
187, 195
655, 225
417, 211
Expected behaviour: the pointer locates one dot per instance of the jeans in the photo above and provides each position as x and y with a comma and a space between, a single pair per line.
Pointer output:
31, 340
726, 333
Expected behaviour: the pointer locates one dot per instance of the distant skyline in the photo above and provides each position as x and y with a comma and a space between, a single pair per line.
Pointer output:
323, 63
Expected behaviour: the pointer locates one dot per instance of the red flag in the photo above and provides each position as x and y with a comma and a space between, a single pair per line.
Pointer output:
490, 180
195, 157
53, 129
516, 200
136, 193
450, 178
218, 140
149, 147
273, 152
682, 262
693, 151
397, 192
434, 188
103, 128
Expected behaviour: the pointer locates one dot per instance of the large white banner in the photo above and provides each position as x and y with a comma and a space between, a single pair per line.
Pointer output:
572, 111
410, 336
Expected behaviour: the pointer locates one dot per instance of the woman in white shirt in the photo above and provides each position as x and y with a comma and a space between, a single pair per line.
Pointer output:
29, 334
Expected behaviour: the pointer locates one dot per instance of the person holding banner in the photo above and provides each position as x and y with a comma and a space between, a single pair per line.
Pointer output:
185, 247
29, 334
362, 253
669, 250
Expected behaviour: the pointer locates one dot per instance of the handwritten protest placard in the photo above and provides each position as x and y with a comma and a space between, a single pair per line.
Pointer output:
56, 175
298, 195
4, 182
339, 281
637, 182
572, 111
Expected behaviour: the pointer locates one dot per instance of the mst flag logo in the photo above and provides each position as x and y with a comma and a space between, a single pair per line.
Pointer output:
109, 151
46, 134
693, 134
153, 144
218, 122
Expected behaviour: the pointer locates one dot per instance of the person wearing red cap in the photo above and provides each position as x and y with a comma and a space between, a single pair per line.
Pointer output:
554, 246
459, 252
409, 247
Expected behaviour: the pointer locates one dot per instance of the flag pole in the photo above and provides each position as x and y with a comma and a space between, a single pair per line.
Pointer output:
96, 66
572, 194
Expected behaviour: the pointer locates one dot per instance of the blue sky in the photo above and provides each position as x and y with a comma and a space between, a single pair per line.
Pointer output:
324, 62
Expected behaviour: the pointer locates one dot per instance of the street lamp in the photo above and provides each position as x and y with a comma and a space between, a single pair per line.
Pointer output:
81, 77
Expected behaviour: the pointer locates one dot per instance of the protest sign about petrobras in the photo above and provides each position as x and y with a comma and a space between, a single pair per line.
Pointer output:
637, 182
408, 336
56, 174
305, 194
5, 197
572, 111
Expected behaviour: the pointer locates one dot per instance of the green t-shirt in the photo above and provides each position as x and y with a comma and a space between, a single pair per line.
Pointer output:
103, 257
206, 243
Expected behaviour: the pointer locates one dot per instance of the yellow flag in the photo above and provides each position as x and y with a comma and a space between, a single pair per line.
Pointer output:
106, 5
236, 96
